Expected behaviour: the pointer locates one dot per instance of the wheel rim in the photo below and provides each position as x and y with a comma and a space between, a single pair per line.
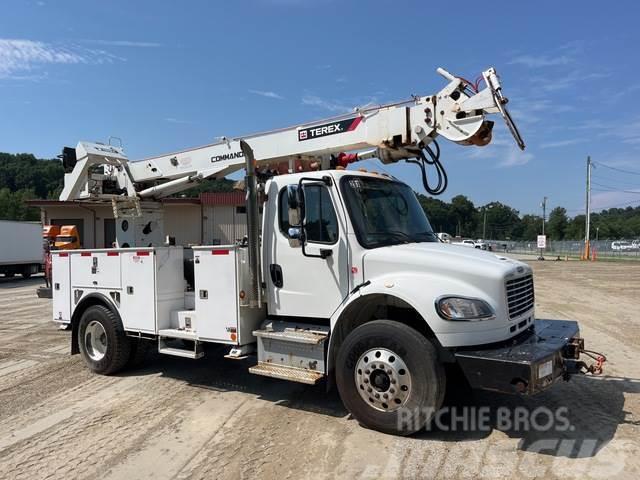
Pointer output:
95, 341
383, 379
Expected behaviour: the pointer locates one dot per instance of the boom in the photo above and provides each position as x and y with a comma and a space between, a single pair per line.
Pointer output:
405, 130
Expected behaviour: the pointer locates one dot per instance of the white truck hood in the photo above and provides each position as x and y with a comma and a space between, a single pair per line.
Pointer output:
444, 258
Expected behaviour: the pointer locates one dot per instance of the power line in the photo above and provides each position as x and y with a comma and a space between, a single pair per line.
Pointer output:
611, 188
609, 179
616, 169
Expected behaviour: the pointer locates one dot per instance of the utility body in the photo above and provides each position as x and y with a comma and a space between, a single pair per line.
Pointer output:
342, 278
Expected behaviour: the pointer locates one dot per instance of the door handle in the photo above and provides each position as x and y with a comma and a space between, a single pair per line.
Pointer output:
276, 275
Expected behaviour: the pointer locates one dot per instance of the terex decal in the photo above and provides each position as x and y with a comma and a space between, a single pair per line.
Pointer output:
226, 156
326, 129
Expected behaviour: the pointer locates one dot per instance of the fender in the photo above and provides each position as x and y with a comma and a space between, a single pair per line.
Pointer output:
94, 298
375, 289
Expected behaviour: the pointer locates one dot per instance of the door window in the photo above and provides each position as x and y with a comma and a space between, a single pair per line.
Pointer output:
321, 223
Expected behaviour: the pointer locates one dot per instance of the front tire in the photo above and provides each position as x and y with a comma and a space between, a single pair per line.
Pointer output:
389, 377
103, 342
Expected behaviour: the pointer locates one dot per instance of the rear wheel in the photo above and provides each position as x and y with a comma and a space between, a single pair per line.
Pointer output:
26, 272
103, 343
389, 377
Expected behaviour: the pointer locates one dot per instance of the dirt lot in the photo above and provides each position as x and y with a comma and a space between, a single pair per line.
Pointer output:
177, 418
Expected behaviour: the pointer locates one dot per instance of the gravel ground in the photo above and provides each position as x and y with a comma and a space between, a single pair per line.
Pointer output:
179, 418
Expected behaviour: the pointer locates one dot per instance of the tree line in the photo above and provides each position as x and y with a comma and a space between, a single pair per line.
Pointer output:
24, 177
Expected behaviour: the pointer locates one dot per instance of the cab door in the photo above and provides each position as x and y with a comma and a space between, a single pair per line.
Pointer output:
311, 285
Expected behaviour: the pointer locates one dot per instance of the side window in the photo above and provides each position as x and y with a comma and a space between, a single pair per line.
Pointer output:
321, 223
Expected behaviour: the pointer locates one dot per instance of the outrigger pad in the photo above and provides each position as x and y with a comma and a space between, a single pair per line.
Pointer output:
527, 363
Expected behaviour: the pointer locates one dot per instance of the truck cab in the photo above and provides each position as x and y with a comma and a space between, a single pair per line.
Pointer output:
68, 238
366, 235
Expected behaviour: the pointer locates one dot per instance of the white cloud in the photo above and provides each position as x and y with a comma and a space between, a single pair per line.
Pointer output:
18, 56
538, 61
267, 94
573, 79
125, 43
604, 200
515, 157
314, 101
176, 120
562, 143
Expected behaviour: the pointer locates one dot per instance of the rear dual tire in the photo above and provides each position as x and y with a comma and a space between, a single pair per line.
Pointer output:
389, 377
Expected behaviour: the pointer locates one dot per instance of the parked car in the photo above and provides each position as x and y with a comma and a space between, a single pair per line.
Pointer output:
621, 246
467, 243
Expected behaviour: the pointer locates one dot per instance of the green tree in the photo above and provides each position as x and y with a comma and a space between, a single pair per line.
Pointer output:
502, 221
557, 223
439, 214
465, 215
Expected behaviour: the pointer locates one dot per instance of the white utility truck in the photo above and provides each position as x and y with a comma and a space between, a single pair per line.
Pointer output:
21, 250
344, 279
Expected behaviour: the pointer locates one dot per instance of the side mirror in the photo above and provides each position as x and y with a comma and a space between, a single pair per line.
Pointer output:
294, 208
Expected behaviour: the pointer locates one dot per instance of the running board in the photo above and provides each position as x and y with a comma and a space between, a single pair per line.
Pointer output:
291, 351
310, 377
179, 352
172, 334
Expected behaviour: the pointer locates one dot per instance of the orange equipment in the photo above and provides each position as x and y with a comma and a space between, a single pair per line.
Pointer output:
68, 239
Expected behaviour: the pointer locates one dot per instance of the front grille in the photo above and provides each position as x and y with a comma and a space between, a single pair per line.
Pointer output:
520, 296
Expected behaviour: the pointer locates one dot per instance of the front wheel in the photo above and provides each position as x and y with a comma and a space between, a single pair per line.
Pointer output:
103, 342
389, 377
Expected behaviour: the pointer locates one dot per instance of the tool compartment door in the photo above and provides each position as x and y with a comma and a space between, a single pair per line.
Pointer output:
95, 269
138, 291
61, 287
216, 293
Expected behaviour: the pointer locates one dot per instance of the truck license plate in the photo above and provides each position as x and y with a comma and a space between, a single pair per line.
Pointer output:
545, 369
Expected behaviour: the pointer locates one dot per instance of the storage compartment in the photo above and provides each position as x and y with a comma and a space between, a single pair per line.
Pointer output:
95, 268
152, 287
221, 292
216, 292
61, 287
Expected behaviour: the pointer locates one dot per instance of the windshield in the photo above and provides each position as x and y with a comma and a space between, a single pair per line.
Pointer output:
385, 212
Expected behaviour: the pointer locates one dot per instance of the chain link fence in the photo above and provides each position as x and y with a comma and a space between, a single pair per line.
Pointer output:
618, 249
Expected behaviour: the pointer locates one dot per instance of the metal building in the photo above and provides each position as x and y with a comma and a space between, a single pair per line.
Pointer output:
214, 218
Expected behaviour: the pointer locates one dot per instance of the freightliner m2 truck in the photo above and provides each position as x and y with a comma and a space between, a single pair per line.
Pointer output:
341, 278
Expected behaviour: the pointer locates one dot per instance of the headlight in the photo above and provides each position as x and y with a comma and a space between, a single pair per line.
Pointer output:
461, 308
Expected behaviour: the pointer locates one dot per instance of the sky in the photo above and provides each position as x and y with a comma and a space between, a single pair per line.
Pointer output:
168, 75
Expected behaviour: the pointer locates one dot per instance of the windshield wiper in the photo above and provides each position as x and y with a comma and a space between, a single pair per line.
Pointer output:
397, 233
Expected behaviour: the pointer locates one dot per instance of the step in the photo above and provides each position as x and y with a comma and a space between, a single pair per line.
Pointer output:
179, 352
292, 335
310, 377
177, 333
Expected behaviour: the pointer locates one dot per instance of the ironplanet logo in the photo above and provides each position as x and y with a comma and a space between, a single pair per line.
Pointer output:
226, 156
327, 129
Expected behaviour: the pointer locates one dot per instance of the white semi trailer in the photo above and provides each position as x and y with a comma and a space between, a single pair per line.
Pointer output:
21, 251
344, 279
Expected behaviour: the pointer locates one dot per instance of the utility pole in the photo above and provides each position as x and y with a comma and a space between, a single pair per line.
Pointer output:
544, 219
484, 223
587, 247
544, 212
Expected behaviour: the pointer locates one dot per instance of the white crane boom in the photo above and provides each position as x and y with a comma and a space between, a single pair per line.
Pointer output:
389, 132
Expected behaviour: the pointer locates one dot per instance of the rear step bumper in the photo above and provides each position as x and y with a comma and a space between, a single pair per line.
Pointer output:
526, 364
